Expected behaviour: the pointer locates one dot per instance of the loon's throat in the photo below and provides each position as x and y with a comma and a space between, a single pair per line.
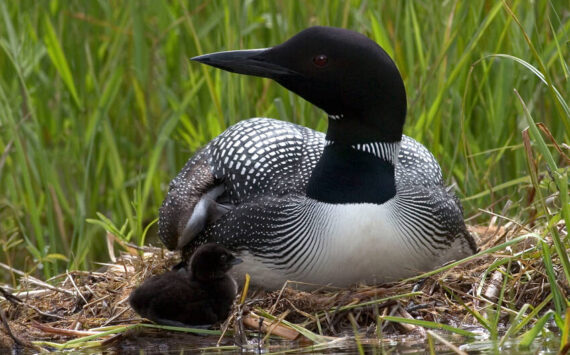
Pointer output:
358, 173
383, 150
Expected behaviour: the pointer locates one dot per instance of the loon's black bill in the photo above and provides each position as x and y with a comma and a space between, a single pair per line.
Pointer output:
248, 62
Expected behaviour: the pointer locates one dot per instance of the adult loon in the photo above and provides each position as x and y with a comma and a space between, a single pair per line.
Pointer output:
362, 203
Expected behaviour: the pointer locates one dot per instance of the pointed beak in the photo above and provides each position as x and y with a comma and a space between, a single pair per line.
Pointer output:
254, 62
236, 261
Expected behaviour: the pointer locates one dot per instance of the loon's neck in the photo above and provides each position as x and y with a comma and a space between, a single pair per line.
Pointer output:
355, 173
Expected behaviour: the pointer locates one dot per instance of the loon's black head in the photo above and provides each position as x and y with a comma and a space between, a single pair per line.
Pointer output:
343, 72
211, 261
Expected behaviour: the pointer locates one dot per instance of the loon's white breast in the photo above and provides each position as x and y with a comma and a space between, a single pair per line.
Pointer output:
351, 243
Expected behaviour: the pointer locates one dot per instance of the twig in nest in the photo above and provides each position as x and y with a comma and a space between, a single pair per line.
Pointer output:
494, 286
76, 288
254, 321
10, 297
239, 332
8, 330
226, 324
393, 311
68, 332
108, 321
260, 324
35, 281
409, 327
16, 300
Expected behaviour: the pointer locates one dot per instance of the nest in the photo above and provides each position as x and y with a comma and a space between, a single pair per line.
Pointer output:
79, 303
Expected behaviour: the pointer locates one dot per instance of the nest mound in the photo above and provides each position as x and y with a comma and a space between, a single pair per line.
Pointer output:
78, 303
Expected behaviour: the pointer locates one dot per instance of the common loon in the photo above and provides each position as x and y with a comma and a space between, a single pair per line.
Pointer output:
201, 296
362, 203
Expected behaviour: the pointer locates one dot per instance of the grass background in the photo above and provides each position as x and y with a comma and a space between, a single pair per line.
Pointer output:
100, 107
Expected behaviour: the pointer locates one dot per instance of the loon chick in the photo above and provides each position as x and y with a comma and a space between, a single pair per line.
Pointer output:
362, 203
201, 296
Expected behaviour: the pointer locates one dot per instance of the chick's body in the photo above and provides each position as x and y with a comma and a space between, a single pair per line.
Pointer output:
201, 296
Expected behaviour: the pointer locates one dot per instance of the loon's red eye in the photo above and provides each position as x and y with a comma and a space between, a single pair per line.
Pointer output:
321, 60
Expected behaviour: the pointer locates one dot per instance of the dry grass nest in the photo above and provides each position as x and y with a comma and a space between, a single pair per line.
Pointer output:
78, 302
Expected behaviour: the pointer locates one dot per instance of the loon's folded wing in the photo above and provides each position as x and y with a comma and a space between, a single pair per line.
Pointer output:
253, 158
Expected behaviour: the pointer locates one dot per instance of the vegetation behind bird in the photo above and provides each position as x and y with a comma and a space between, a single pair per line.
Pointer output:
100, 107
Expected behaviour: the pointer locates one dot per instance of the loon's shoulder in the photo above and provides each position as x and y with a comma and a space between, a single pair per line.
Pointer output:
264, 129
417, 165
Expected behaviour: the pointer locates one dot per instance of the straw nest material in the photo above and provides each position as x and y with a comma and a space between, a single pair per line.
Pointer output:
79, 302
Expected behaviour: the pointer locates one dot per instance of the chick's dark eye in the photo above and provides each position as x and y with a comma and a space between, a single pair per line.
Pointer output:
320, 60
223, 257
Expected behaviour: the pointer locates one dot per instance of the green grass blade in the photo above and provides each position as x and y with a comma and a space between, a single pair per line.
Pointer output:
427, 118
528, 337
380, 35
356, 334
514, 323
430, 325
539, 75
533, 314
373, 302
478, 316
565, 112
561, 182
156, 155
57, 56
565, 338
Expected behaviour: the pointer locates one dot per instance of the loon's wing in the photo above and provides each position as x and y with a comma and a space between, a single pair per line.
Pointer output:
192, 187
417, 165
423, 193
252, 158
